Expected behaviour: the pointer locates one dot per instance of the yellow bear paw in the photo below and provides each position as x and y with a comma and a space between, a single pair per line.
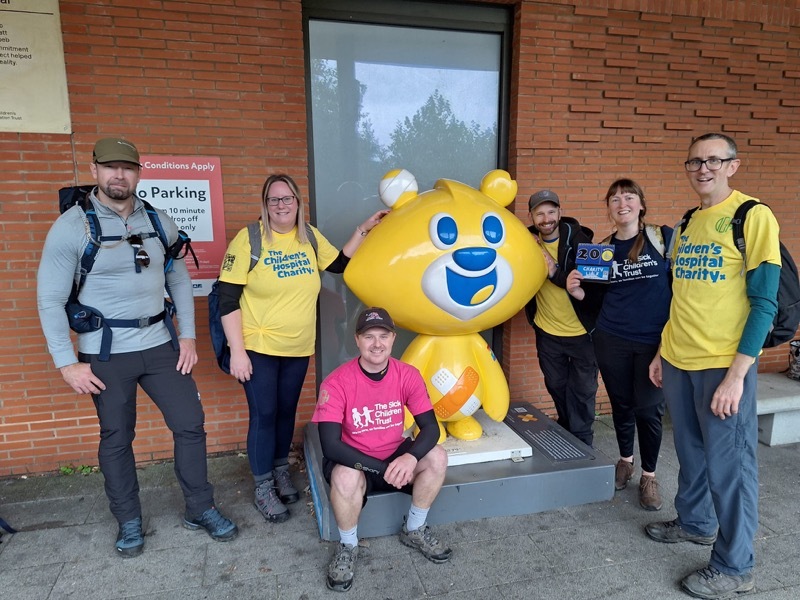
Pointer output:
467, 429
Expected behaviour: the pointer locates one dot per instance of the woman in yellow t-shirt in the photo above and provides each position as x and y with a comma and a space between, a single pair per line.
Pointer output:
269, 317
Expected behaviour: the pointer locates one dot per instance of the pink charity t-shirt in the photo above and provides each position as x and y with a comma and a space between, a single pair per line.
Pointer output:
371, 412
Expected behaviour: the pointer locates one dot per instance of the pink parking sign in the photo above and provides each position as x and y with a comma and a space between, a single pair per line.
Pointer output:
189, 189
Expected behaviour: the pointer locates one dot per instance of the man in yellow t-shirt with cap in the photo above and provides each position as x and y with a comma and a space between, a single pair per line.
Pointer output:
562, 324
721, 311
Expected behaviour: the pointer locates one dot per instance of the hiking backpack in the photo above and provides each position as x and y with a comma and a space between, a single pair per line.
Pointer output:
784, 325
85, 319
219, 343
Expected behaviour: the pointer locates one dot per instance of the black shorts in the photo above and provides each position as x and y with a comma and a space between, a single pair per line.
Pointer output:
375, 483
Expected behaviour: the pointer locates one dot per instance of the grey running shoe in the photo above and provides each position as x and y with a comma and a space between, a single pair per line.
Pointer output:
341, 569
219, 527
622, 474
423, 540
130, 539
283, 481
649, 496
671, 532
268, 503
709, 583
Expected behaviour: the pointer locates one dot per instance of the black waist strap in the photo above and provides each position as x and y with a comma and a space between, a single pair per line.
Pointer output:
135, 323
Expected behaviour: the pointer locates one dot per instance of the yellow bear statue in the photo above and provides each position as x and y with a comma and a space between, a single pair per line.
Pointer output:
448, 263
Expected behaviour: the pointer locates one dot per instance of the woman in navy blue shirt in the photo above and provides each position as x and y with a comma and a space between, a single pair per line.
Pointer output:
635, 307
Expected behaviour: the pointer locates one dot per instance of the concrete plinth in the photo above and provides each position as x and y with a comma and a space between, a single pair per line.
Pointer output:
561, 471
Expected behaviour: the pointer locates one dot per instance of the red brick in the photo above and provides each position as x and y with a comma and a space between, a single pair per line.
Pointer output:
228, 80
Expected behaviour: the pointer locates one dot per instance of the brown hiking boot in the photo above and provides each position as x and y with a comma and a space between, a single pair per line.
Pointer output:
649, 497
622, 474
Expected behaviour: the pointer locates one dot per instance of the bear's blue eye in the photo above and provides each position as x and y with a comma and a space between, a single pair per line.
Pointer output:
493, 230
443, 231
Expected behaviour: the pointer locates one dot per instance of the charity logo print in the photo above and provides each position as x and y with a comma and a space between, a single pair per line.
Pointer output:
698, 261
228, 262
288, 265
644, 268
379, 416
362, 419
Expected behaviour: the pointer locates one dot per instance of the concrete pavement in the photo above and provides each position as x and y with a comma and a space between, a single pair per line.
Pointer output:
65, 546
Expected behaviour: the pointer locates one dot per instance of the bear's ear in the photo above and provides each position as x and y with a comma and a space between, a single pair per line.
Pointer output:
397, 187
499, 186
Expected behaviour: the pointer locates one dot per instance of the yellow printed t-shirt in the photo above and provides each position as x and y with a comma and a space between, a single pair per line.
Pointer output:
554, 312
279, 301
709, 294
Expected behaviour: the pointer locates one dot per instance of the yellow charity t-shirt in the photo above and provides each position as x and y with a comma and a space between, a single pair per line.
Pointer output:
279, 301
709, 292
554, 312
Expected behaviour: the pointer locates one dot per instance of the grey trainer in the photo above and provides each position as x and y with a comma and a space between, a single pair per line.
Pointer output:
286, 490
671, 532
269, 504
341, 569
423, 540
711, 584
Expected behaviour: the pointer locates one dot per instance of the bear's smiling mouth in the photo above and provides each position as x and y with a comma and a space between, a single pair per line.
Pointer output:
469, 290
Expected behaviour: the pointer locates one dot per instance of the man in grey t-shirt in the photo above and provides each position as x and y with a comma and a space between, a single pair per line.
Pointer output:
126, 284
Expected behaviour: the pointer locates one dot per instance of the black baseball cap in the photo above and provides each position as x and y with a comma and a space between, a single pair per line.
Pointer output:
541, 197
374, 317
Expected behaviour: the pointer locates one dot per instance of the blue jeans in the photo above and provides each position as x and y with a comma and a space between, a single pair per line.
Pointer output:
718, 476
176, 397
272, 396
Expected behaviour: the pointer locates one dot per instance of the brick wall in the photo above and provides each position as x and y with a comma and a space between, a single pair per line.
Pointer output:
597, 93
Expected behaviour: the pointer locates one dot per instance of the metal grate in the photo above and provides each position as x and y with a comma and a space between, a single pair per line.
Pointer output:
556, 446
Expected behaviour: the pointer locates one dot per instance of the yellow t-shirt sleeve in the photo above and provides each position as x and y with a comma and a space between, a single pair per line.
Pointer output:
236, 262
326, 252
761, 232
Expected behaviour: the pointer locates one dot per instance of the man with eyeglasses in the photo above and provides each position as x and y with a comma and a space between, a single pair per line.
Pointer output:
722, 309
126, 283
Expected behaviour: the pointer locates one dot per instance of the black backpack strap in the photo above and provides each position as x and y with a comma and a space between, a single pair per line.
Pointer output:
685, 219
737, 225
679, 228
737, 228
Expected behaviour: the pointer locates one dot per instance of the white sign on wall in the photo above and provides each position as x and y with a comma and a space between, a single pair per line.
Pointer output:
33, 78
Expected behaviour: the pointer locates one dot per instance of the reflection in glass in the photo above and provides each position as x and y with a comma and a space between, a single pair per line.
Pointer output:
382, 98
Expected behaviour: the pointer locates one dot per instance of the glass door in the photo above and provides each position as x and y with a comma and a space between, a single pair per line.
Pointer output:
388, 96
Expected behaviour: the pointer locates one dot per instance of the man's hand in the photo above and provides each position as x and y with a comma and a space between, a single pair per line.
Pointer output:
574, 288
401, 471
79, 377
552, 267
188, 356
725, 401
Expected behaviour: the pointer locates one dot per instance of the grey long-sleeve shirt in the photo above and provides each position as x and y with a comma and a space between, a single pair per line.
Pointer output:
113, 286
